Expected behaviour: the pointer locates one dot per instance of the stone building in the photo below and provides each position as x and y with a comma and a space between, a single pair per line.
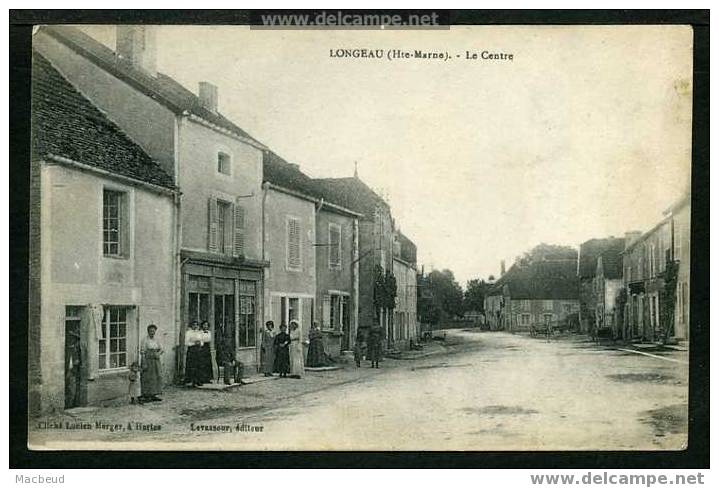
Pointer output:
405, 327
656, 279
326, 287
534, 295
219, 254
375, 244
589, 293
102, 246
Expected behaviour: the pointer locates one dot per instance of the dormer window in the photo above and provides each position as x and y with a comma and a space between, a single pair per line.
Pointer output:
224, 163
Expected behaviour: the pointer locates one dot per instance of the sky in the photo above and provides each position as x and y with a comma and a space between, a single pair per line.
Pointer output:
585, 133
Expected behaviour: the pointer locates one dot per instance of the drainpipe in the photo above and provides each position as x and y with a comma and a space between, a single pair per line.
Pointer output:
355, 281
179, 331
265, 269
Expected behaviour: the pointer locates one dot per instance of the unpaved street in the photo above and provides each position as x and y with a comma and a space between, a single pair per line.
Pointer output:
486, 391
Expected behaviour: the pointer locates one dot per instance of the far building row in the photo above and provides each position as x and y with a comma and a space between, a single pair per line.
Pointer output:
149, 206
638, 286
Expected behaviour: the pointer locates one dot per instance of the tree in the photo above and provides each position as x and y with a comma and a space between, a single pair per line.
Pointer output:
544, 252
474, 295
447, 293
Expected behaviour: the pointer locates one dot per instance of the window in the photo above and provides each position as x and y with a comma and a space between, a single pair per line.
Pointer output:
525, 305
335, 246
113, 222
247, 330
112, 345
335, 311
224, 212
547, 305
548, 318
226, 227
524, 319
294, 256
224, 163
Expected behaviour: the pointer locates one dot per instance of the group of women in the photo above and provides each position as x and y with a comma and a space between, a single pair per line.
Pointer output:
198, 366
283, 352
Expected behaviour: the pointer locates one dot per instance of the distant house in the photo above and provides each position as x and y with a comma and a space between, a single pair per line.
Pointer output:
534, 294
656, 278
102, 230
589, 293
607, 282
404, 324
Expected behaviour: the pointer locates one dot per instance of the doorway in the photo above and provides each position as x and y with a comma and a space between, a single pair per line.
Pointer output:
73, 357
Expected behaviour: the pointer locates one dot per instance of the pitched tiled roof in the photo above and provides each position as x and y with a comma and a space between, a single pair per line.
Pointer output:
351, 193
590, 250
162, 88
281, 173
541, 280
66, 124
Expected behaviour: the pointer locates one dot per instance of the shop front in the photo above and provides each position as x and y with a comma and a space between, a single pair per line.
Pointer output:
226, 293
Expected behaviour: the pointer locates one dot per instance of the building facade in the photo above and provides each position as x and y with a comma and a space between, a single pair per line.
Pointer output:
608, 282
376, 245
655, 292
533, 295
328, 287
589, 294
219, 252
405, 327
102, 240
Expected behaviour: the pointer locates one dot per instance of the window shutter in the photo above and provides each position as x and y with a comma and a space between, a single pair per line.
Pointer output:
326, 311
293, 244
239, 241
334, 245
212, 224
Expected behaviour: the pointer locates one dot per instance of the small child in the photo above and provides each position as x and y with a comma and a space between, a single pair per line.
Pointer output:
358, 353
134, 380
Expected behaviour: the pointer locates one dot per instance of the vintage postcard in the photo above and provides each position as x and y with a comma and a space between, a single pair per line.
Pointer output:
360, 234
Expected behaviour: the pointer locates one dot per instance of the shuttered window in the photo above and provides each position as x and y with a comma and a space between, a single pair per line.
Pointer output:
294, 256
335, 246
212, 224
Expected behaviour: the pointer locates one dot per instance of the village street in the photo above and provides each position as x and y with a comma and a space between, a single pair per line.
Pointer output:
476, 391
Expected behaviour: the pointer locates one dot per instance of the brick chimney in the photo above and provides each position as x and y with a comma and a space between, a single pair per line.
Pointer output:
136, 45
502, 268
208, 96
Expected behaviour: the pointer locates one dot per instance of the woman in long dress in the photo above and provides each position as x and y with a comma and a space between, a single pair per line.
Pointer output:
267, 351
297, 360
374, 346
282, 352
193, 341
205, 355
151, 376
316, 351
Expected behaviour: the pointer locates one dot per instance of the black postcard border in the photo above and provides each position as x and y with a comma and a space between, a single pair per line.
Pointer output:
695, 456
